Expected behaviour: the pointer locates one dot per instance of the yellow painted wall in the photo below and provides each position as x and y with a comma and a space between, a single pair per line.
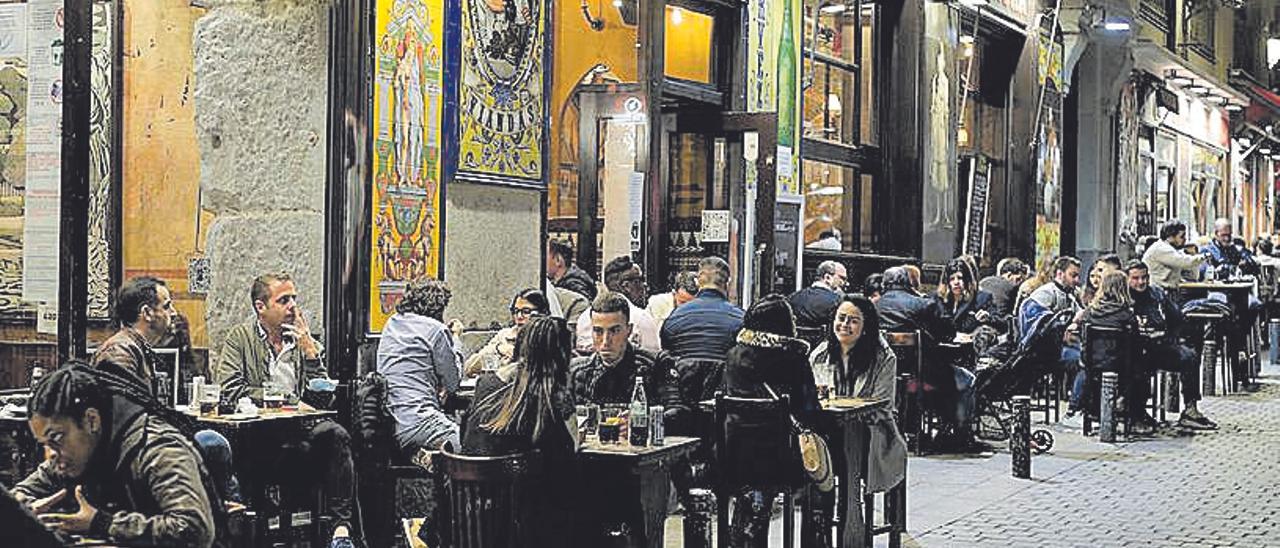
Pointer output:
577, 49
160, 194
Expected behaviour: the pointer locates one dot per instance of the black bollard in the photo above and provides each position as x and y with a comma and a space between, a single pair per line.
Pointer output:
1107, 413
1172, 392
1209, 367
1020, 437
699, 514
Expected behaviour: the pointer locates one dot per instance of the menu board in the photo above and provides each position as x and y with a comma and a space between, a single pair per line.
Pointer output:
975, 223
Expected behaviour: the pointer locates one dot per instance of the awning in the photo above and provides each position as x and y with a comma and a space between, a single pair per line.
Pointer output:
1264, 104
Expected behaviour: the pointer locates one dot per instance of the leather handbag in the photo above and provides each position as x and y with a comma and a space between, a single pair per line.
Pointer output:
815, 456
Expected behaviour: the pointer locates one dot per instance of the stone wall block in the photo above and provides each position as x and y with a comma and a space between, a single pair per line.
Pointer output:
243, 247
493, 249
261, 91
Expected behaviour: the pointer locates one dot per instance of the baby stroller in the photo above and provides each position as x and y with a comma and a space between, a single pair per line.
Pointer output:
1013, 368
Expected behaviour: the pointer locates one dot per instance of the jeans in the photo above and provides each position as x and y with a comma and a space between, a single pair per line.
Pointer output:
1070, 361
967, 399
216, 452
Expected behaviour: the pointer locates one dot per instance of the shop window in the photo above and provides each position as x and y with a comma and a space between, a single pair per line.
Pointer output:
1206, 182
839, 97
983, 127
841, 125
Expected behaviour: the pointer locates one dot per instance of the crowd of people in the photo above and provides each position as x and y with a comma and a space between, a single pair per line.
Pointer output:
123, 467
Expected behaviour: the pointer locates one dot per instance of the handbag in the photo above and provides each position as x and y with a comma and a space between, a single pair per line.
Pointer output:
815, 456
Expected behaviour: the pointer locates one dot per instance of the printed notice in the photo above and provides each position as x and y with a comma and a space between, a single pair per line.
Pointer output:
44, 152
13, 30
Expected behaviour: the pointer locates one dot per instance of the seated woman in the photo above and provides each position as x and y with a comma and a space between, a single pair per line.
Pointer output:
527, 304
524, 406
969, 310
968, 307
1112, 308
863, 366
768, 360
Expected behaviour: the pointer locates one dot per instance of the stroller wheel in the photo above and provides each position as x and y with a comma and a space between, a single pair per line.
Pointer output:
1041, 441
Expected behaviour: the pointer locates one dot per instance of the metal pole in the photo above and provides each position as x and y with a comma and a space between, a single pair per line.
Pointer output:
1208, 367
1107, 413
73, 236
1020, 438
1172, 392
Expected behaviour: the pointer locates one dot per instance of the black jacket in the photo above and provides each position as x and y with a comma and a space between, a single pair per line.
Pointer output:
591, 381
578, 281
1158, 310
814, 306
902, 311
964, 317
1004, 294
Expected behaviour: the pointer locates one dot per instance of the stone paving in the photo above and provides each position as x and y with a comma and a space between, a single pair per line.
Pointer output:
1175, 489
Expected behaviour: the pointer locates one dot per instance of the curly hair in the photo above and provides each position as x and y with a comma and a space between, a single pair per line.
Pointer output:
425, 298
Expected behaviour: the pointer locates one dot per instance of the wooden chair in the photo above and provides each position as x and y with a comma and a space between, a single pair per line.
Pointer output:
751, 436
913, 419
489, 498
1116, 345
895, 513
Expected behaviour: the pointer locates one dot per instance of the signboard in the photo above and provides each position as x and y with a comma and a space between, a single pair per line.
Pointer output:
715, 225
975, 223
786, 237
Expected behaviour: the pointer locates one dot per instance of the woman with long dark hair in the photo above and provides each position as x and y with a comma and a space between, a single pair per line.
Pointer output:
863, 366
526, 404
967, 306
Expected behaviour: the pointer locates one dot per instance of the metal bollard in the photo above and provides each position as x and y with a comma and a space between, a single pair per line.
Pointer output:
1273, 335
1209, 367
1172, 392
1107, 412
698, 516
1020, 437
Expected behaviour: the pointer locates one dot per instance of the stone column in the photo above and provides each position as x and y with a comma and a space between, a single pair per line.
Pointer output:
260, 91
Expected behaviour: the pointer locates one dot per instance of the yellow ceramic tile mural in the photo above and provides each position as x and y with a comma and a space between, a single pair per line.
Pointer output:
407, 157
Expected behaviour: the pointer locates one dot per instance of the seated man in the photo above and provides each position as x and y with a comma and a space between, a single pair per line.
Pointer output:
608, 374
418, 356
814, 306
1003, 285
1156, 311
706, 327
138, 481
144, 309
1061, 295
1225, 256
277, 347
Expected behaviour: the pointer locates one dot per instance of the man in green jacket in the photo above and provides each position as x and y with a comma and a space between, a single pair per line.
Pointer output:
114, 472
278, 347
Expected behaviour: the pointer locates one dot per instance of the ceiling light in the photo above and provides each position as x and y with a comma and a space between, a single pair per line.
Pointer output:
975, 3
1216, 99
833, 8
1234, 107
966, 39
677, 16
1176, 79
1198, 89
1264, 150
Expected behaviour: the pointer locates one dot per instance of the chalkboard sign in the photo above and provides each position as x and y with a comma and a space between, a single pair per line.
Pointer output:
975, 223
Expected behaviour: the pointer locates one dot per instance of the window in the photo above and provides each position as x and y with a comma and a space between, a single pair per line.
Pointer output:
983, 128
1199, 21
839, 98
1155, 13
841, 154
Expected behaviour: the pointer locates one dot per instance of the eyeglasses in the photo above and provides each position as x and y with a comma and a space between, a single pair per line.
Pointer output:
526, 312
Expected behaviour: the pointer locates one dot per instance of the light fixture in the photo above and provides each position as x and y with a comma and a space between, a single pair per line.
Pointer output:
1198, 89
1244, 141
1264, 150
1117, 25
617, 4
1176, 79
1273, 52
1233, 107
975, 3
966, 39
1215, 99
833, 8
677, 16
833, 104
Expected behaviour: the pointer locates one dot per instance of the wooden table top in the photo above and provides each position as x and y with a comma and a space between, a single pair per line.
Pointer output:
671, 448
236, 420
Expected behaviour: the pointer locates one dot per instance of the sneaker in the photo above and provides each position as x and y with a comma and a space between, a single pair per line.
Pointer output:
1196, 423
1139, 427
1073, 421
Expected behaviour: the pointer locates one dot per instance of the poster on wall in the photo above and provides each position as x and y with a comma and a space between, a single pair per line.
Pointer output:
409, 68
1048, 150
33, 192
773, 65
501, 106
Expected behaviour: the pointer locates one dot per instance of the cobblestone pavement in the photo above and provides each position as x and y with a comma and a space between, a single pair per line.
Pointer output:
1175, 489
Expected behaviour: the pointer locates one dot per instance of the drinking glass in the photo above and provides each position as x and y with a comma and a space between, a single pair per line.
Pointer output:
824, 374
273, 395
210, 395
588, 419
613, 422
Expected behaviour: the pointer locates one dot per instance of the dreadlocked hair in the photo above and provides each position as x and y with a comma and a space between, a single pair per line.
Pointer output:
69, 392
542, 348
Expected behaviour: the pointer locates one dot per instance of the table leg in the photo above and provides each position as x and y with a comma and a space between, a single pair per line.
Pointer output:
655, 491
853, 446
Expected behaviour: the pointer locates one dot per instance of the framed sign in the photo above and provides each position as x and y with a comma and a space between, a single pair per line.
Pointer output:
978, 206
